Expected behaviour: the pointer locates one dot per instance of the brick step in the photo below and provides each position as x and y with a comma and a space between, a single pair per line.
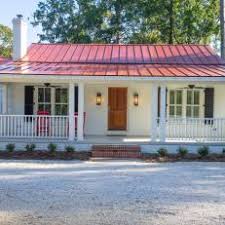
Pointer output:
116, 151
116, 147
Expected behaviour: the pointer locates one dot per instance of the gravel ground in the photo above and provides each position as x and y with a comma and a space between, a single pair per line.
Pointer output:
111, 192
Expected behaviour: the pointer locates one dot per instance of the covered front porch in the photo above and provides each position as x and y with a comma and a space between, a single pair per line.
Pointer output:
113, 112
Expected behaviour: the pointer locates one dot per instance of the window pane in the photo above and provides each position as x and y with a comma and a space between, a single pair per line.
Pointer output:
40, 107
196, 111
64, 95
47, 94
48, 108
179, 111
189, 97
179, 97
61, 95
40, 94
172, 111
57, 109
172, 97
196, 97
61, 109
188, 113
57, 95
64, 110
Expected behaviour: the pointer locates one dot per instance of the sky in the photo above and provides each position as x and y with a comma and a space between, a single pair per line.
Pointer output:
10, 8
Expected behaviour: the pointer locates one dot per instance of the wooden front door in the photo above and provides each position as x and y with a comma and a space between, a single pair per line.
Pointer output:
117, 109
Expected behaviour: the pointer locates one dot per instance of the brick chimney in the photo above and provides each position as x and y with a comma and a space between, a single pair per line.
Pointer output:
19, 37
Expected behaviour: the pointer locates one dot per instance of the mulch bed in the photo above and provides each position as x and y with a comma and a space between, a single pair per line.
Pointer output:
187, 158
42, 155
62, 155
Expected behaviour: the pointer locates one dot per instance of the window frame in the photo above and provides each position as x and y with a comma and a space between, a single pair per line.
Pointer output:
175, 104
61, 103
52, 102
193, 105
44, 102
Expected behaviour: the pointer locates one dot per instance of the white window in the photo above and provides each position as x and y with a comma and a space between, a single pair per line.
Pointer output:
193, 104
61, 101
52, 100
44, 99
175, 103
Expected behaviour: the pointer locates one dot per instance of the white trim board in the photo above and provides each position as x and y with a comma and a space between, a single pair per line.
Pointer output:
70, 78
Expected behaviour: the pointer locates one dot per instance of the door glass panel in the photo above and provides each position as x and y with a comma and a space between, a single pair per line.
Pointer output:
188, 111
57, 95
179, 111
189, 97
196, 98
40, 107
44, 99
64, 109
48, 95
196, 111
172, 111
40, 94
179, 97
172, 97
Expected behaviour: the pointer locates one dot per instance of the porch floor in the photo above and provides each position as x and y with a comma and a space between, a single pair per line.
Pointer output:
105, 139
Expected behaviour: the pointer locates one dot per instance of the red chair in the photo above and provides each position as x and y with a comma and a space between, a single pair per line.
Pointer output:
43, 123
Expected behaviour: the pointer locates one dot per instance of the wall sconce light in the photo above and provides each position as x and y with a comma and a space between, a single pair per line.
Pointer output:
136, 99
98, 98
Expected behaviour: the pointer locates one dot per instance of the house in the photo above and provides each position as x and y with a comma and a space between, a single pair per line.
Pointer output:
109, 93
3, 59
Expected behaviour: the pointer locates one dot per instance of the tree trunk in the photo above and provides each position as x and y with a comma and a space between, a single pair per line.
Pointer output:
171, 22
222, 28
118, 23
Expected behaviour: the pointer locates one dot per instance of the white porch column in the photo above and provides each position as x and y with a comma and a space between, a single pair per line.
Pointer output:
71, 113
154, 109
163, 113
80, 122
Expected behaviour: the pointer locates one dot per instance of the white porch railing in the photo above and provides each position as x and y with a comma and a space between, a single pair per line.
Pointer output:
177, 129
34, 126
196, 129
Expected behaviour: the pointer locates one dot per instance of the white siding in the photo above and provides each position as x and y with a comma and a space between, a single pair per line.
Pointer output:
139, 117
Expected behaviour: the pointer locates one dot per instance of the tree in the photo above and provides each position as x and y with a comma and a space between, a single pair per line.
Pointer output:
5, 41
128, 21
67, 20
178, 21
119, 20
108, 21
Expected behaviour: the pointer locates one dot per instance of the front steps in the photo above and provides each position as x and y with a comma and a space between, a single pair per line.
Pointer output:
116, 151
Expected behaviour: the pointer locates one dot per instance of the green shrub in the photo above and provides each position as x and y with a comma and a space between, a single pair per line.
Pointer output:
70, 149
10, 147
162, 152
203, 151
182, 151
52, 148
30, 147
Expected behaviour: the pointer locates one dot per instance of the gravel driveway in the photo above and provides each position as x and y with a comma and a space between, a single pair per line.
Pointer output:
111, 192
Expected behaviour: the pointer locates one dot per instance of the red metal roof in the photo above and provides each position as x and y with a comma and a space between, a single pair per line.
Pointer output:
3, 60
118, 60
143, 70
122, 54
